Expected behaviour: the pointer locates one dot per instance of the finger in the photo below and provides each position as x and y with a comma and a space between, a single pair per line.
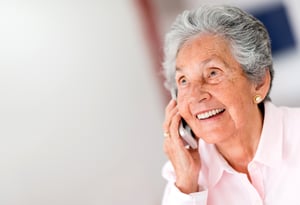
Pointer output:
174, 129
175, 124
170, 109
170, 129
168, 119
166, 146
170, 106
170, 112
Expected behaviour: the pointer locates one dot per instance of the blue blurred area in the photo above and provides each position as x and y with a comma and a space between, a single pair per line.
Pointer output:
277, 22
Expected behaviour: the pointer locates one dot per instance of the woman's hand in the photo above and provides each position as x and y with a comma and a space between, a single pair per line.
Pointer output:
186, 162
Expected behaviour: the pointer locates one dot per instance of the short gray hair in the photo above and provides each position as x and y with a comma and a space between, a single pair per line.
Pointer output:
248, 38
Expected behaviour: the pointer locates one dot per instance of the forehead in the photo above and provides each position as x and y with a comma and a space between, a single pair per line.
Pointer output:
203, 48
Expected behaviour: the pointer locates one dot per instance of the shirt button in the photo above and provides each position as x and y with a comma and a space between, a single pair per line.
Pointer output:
253, 166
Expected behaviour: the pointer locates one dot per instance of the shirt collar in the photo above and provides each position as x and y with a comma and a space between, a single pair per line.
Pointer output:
215, 162
269, 150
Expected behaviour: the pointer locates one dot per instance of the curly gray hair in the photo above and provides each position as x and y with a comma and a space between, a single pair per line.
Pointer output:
248, 38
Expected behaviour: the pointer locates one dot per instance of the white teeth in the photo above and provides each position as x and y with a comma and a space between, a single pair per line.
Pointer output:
208, 114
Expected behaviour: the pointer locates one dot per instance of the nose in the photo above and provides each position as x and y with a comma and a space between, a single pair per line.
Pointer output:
197, 94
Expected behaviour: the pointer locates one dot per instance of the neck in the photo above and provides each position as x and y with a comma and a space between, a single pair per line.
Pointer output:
239, 155
241, 148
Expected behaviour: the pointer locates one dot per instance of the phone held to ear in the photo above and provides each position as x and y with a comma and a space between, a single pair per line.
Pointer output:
184, 129
187, 134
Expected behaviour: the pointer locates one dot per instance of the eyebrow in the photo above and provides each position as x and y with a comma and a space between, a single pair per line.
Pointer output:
178, 69
205, 62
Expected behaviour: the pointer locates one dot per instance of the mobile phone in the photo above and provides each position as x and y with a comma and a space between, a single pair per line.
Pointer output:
184, 129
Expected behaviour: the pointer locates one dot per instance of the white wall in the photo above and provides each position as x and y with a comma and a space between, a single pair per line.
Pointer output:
80, 108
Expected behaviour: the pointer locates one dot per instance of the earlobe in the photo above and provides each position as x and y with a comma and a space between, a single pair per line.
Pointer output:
257, 99
262, 88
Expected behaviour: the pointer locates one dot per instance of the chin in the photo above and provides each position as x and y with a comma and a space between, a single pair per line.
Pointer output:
212, 138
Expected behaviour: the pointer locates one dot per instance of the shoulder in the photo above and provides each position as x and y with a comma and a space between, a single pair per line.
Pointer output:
289, 119
290, 116
286, 117
291, 123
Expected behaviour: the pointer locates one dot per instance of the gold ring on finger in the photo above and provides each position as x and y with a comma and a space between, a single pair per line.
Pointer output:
166, 134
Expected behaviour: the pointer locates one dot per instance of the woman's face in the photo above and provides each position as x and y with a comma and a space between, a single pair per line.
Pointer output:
214, 95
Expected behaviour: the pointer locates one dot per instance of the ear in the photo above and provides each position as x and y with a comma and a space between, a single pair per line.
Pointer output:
263, 87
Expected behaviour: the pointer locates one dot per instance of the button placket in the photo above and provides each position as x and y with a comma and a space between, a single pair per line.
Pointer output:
257, 179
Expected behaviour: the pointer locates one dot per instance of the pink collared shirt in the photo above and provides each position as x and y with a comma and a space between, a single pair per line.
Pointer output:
274, 170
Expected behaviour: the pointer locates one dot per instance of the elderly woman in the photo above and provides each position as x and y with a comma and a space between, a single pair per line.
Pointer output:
218, 62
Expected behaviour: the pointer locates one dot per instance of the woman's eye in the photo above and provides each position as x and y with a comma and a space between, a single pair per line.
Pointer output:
182, 81
213, 73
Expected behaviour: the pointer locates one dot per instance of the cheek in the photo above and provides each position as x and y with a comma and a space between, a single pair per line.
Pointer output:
181, 99
239, 111
183, 106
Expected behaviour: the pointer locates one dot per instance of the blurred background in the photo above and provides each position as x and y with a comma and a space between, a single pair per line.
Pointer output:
82, 96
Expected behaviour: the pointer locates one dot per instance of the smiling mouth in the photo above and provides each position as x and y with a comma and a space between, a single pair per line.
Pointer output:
210, 114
